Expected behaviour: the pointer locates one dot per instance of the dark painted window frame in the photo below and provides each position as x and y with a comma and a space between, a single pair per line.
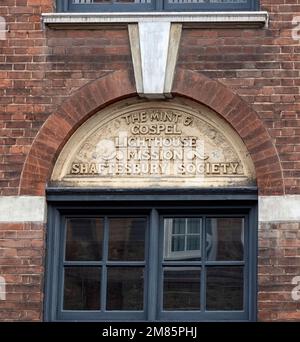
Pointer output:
155, 5
64, 202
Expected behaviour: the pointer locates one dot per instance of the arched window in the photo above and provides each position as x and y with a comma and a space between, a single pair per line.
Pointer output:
152, 216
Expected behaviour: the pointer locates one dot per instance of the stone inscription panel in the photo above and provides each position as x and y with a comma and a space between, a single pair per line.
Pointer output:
149, 146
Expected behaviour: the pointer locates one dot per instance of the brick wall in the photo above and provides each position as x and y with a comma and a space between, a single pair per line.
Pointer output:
40, 68
262, 66
279, 247
22, 265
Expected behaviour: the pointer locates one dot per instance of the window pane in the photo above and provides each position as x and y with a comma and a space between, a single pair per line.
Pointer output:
182, 238
224, 288
178, 225
127, 239
178, 243
193, 243
82, 288
181, 289
125, 288
193, 225
225, 239
84, 239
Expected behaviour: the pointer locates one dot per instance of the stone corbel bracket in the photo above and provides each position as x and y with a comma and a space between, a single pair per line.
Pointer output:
154, 50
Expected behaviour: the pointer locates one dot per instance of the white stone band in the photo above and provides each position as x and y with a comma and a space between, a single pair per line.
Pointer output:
258, 18
279, 208
22, 209
33, 208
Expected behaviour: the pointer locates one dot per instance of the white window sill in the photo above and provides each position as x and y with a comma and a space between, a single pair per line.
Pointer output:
195, 19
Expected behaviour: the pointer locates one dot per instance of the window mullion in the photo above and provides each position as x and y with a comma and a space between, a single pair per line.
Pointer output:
159, 5
62, 5
247, 262
203, 270
185, 234
104, 267
153, 266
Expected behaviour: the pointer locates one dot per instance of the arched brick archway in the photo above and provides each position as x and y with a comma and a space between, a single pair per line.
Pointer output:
243, 119
60, 126
120, 84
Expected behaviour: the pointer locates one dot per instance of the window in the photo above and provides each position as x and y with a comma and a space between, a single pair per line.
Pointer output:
155, 5
147, 262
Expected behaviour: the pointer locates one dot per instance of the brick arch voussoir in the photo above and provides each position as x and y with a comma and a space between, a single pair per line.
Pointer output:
249, 126
120, 84
68, 117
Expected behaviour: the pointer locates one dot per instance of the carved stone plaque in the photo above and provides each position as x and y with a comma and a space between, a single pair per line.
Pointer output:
154, 144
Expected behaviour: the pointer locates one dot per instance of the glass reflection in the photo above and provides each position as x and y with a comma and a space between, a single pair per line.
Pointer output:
125, 288
84, 239
182, 238
82, 288
224, 288
225, 239
181, 288
127, 239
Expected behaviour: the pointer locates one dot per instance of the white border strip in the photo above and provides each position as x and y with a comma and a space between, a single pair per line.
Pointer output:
33, 208
255, 17
22, 209
279, 208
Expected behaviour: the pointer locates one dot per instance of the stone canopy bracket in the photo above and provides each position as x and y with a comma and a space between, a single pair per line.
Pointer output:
154, 49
